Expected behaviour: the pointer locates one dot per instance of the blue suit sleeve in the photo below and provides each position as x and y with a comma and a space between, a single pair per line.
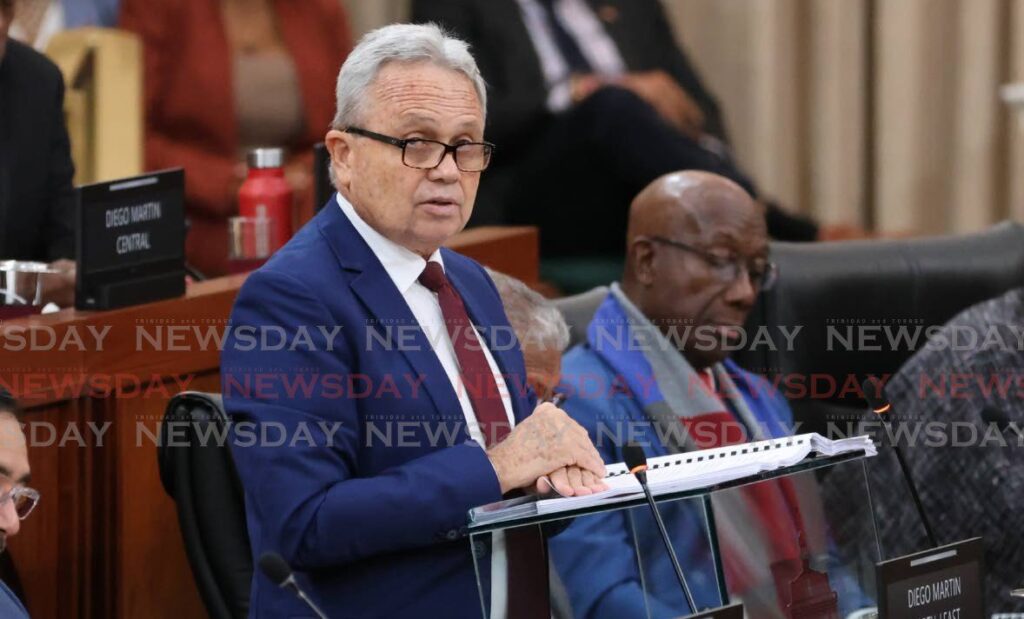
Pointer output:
306, 498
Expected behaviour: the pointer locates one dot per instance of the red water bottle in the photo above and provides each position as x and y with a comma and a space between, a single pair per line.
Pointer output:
265, 194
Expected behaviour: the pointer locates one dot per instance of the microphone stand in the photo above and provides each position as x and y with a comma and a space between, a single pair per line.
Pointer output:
882, 408
637, 463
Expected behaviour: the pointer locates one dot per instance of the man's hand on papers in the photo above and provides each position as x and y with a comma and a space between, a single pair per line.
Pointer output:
546, 442
570, 481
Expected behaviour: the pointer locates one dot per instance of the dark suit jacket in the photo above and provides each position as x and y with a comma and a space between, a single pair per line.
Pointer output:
36, 191
375, 525
517, 93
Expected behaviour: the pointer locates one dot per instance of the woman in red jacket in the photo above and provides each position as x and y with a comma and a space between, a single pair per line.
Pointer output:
224, 76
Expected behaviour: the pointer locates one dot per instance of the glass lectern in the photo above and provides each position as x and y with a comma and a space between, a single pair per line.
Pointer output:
769, 541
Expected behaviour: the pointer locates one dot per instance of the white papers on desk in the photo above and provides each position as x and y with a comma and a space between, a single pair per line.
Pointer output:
685, 471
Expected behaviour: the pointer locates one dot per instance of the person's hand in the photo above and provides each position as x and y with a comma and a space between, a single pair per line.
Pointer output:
583, 85
546, 441
59, 288
666, 96
842, 232
570, 481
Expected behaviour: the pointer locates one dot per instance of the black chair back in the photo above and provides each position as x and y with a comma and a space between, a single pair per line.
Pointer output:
198, 472
862, 308
322, 187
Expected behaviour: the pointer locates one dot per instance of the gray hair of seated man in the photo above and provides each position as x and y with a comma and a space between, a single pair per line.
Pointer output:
399, 43
535, 319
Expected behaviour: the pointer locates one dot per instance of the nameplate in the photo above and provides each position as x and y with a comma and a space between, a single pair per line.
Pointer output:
130, 241
732, 611
944, 583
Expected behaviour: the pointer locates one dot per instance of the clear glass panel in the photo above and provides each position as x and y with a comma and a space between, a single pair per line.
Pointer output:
610, 561
789, 553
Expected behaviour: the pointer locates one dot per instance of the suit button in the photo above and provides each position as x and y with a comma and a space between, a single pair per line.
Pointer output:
452, 535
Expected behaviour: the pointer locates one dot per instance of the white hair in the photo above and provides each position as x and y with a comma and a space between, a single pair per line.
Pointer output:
399, 43
533, 318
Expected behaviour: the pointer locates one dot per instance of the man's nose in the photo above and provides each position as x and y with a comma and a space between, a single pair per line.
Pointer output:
741, 289
447, 171
9, 521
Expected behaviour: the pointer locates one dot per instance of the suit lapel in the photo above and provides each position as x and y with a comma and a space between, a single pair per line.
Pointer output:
518, 52
372, 285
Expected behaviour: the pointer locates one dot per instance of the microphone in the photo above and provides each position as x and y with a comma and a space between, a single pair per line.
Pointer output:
875, 396
276, 569
636, 461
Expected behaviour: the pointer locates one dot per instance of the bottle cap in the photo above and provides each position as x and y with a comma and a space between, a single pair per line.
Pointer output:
261, 158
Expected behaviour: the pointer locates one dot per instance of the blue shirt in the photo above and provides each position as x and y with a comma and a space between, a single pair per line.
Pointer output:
78, 13
10, 605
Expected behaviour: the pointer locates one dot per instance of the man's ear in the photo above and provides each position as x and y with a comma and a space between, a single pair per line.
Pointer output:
339, 146
641, 256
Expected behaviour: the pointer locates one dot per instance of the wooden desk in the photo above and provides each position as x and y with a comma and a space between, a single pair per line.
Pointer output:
104, 540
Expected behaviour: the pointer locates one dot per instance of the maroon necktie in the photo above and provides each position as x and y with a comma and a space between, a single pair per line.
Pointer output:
525, 549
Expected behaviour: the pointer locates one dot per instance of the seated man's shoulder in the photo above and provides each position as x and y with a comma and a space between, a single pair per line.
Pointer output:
29, 68
582, 357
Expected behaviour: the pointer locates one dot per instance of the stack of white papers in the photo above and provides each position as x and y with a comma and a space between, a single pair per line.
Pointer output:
688, 471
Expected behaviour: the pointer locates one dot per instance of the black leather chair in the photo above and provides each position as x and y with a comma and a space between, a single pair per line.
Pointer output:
322, 187
914, 282
198, 472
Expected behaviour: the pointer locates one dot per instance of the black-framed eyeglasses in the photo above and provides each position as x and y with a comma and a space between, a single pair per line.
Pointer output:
424, 154
762, 273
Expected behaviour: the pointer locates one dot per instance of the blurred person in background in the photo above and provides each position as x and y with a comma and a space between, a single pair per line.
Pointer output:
542, 333
36, 171
590, 100
225, 76
966, 386
36, 21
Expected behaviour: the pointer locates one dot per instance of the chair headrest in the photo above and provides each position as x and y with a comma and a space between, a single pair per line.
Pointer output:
863, 307
578, 310
187, 406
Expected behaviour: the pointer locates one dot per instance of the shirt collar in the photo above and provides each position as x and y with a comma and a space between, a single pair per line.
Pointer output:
402, 265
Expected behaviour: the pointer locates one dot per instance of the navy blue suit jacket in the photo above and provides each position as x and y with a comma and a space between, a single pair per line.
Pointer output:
371, 512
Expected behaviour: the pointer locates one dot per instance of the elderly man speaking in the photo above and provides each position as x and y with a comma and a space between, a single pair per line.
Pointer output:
396, 420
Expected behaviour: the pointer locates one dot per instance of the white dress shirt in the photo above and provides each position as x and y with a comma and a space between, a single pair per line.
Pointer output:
586, 29
404, 267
